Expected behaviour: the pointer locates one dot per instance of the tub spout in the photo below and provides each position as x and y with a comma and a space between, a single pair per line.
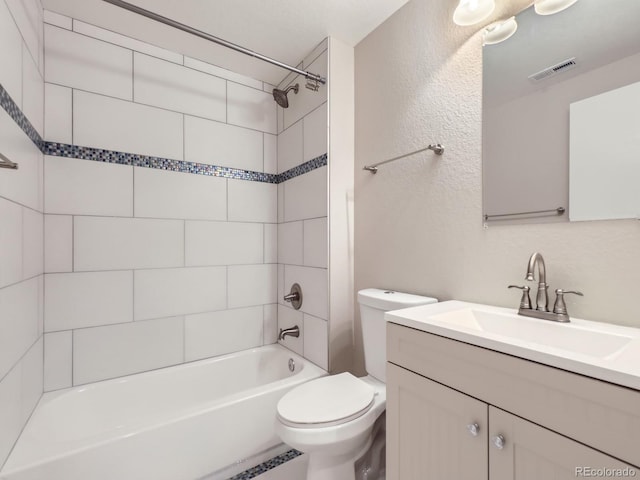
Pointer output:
289, 332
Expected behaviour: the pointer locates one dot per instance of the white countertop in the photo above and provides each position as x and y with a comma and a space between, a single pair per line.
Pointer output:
599, 350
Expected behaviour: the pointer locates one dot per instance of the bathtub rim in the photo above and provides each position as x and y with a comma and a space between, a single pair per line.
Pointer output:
309, 371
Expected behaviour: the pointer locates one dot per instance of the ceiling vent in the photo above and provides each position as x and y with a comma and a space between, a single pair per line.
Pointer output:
554, 70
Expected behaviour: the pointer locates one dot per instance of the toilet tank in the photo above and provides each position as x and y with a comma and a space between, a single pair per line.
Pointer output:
373, 304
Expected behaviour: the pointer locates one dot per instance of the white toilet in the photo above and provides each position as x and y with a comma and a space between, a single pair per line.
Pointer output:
332, 418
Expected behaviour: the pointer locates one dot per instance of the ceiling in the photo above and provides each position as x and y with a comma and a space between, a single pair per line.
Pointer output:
286, 30
595, 32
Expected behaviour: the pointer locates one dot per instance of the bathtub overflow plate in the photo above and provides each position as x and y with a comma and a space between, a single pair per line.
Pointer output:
292, 365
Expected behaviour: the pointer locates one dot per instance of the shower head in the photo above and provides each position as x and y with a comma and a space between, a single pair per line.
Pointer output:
280, 96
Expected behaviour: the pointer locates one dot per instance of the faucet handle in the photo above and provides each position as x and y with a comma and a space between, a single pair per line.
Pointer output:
560, 307
525, 301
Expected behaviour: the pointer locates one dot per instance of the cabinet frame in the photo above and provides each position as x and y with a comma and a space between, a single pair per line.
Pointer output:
601, 415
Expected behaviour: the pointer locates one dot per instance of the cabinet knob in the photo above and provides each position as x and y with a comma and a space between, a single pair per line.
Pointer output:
473, 429
498, 441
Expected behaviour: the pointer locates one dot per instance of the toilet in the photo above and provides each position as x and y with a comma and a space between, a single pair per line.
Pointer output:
332, 418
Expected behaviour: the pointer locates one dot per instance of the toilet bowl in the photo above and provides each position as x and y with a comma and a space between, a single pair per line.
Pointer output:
332, 418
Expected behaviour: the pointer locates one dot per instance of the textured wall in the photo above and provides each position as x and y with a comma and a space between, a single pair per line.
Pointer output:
418, 221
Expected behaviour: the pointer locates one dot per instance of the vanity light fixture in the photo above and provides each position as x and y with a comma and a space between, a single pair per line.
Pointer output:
549, 7
499, 31
469, 12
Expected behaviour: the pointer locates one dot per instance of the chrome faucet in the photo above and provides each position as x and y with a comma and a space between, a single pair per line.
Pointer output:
289, 332
542, 298
559, 313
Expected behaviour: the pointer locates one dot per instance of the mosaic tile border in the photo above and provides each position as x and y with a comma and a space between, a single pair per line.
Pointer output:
12, 108
122, 158
266, 466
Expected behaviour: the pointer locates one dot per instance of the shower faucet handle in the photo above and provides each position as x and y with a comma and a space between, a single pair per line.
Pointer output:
525, 301
295, 296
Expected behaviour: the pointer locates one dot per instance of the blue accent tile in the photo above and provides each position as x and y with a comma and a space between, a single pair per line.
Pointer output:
266, 466
122, 158
7, 103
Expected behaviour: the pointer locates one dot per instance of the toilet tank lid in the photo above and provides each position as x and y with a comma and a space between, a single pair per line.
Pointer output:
387, 300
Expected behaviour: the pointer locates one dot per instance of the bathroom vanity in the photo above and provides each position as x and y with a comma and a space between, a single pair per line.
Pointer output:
474, 392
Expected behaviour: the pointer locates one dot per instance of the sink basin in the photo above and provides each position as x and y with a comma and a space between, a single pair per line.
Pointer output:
599, 350
573, 338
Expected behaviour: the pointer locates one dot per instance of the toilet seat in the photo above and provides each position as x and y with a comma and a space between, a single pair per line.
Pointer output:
326, 402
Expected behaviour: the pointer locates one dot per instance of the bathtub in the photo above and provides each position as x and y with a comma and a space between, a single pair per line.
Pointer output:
182, 422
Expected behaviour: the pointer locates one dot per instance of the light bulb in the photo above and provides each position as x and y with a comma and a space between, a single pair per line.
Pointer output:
549, 7
499, 32
469, 12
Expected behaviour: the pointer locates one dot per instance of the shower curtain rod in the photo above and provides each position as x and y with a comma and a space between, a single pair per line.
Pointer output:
198, 33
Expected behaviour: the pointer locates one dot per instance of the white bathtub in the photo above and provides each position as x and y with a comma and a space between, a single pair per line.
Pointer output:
181, 422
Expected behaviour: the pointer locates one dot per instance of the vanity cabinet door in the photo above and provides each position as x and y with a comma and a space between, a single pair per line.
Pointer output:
527, 451
430, 430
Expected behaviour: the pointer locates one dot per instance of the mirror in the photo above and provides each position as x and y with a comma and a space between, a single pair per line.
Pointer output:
561, 121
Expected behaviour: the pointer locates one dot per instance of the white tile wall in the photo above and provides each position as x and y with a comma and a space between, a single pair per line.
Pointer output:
281, 202
222, 73
123, 41
281, 286
316, 338
11, 239
18, 322
58, 360
10, 55
252, 201
10, 410
125, 126
270, 324
316, 133
58, 114
179, 291
306, 101
112, 351
290, 147
164, 84
33, 243
191, 259
28, 17
252, 285
32, 378
20, 390
316, 243
58, 245
306, 196
162, 194
78, 300
21, 222
24, 185
287, 318
61, 21
290, 243
216, 143
32, 92
223, 243
251, 108
106, 243
270, 153
81, 62
83, 187
314, 284
217, 333
270, 243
